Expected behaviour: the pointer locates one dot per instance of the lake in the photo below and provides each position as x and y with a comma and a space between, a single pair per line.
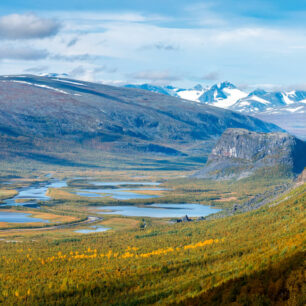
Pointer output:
124, 183
34, 193
93, 229
37, 192
118, 194
16, 217
160, 210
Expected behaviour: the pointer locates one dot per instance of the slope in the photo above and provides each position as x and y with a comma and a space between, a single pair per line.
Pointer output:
41, 117
162, 264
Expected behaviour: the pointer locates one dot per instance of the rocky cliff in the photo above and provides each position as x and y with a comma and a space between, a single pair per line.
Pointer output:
240, 153
302, 178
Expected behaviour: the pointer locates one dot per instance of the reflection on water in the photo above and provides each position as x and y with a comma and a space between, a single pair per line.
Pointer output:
94, 229
124, 183
160, 210
118, 194
16, 217
34, 193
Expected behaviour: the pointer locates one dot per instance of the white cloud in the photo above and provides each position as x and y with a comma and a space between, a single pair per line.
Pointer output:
92, 17
27, 26
89, 73
136, 44
37, 69
155, 76
22, 53
203, 14
211, 76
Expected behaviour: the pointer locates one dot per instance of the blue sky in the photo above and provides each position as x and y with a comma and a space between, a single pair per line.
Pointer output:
256, 43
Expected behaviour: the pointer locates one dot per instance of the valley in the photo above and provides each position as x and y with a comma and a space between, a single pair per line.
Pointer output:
152, 153
139, 257
156, 201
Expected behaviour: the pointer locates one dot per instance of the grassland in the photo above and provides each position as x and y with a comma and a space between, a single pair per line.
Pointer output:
7, 193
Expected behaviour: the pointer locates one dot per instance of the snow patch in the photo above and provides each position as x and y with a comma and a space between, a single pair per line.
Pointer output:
192, 95
293, 110
70, 82
244, 103
287, 99
41, 86
258, 99
233, 95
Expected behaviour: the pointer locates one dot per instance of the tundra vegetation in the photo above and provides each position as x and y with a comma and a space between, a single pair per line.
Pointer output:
250, 253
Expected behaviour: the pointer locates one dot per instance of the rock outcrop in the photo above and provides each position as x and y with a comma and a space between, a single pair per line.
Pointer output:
240, 153
301, 178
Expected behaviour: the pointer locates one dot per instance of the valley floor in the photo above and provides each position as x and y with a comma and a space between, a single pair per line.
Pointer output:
251, 257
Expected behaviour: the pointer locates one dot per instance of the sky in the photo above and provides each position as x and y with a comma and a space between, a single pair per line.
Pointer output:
254, 43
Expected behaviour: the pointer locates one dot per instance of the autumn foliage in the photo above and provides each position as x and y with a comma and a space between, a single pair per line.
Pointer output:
255, 258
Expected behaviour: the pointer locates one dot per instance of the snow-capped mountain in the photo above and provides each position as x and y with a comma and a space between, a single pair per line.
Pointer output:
227, 95
260, 101
54, 75
166, 90
192, 94
287, 109
222, 95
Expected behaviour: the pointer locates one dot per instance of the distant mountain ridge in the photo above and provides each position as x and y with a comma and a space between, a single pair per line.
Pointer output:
284, 108
50, 114
227, 95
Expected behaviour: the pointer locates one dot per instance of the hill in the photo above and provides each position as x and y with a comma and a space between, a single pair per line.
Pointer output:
40, 117
255, 258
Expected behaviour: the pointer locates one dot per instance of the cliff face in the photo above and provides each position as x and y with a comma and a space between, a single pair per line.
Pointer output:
302, 178
240, 153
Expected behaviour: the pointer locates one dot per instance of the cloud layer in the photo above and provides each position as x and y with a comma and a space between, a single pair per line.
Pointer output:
21, 53
188, 44
155, 76
27, 26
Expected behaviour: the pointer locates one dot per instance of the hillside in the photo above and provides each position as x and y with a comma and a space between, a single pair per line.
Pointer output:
255, 258
241, 153
40, 117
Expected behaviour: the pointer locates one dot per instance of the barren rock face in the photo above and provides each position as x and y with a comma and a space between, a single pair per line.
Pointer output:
302, 177
240, 153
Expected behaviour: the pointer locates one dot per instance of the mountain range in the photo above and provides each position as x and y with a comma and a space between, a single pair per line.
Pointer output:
284, 108
227, 95
58, 119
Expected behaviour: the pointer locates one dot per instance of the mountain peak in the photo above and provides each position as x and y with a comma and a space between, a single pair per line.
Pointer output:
198, 87
258, 92
225, 84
